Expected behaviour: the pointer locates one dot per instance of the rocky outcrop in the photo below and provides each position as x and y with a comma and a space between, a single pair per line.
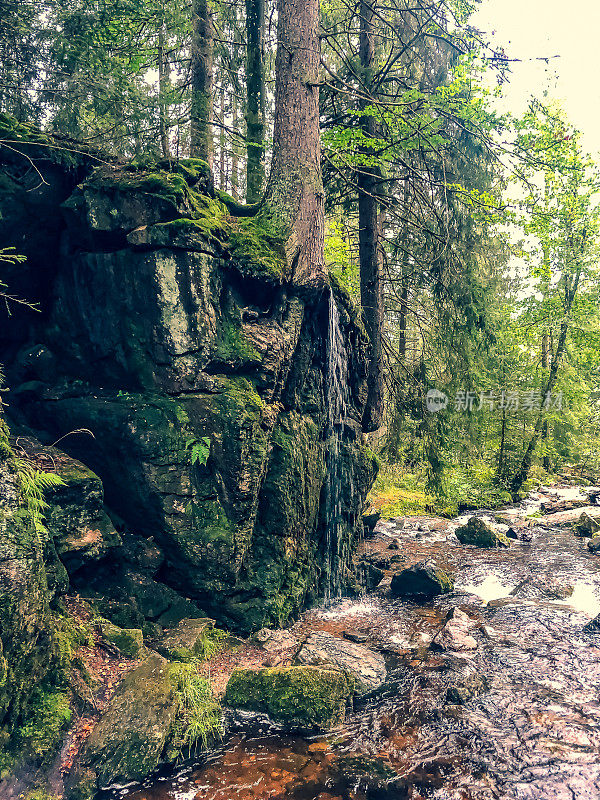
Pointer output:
298, 696
174, 333
28, 649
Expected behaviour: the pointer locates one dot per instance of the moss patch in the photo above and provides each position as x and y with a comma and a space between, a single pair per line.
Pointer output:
303, 697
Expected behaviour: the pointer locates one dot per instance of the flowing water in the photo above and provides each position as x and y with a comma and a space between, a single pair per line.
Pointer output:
533, 735
337, 553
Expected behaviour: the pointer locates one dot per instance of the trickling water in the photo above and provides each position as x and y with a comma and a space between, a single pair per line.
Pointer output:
337, 550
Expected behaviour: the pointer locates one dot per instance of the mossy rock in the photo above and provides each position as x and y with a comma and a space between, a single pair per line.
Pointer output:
128, 641
127, 743
478, 533
299, 697
186, 641
422, 580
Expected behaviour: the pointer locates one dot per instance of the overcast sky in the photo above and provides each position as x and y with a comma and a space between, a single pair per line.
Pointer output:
530, 29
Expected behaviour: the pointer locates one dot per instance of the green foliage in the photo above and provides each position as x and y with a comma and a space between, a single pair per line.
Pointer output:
199, 714
213, 641
199, 450
33, 485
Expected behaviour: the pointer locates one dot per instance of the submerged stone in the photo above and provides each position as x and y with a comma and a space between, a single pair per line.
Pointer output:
298, 696
477, 532
594, 544
422, 580
367, 668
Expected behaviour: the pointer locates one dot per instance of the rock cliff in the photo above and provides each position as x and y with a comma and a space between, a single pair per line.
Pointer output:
172, 330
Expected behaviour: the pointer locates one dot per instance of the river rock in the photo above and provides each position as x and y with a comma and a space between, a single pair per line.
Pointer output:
586, 526
594, 544
298, 696
186, 641
456, 633
593, 626
324, 649
422, 580
477, 532
369, 523
127, 742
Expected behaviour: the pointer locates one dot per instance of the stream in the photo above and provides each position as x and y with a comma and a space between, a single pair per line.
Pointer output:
533, 735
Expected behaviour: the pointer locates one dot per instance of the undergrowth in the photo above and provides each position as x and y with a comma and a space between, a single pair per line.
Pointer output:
398, 493
198, 713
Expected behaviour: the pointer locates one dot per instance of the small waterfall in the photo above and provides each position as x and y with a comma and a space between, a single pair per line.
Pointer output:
337, 550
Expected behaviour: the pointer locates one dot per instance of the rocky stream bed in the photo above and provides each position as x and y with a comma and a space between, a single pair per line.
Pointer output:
492, 690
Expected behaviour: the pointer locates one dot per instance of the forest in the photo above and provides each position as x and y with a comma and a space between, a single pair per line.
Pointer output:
300, 407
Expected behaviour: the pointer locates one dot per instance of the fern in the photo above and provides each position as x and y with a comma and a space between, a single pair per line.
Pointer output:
33, 485
199, 450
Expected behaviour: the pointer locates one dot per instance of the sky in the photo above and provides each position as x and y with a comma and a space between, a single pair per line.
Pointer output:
533, 29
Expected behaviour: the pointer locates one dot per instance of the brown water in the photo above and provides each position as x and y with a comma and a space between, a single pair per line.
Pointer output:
535, 735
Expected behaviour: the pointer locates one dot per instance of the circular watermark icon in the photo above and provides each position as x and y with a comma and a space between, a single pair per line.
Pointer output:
436, 401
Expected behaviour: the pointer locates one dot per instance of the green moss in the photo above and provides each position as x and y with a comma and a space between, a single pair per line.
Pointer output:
42, 732
40, 144
304, 697
40, 794
257, 245
128, 641
232, 345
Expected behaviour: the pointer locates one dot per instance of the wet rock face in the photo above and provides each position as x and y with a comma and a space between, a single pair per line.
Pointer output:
479, 533
177, 337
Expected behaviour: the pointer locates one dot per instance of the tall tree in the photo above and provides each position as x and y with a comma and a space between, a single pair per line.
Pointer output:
201, 77
255, 104
370, 224
295, 188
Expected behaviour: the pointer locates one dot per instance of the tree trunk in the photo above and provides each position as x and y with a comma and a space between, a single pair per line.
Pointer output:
235, 180
545, 433
370, 255
255, 105
163, 92
523, 471
201, 144
295, 189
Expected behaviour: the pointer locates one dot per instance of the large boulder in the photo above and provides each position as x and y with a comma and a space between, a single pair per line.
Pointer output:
178, 337
323, 649
479, 533
127, 742
422, 580
297, 696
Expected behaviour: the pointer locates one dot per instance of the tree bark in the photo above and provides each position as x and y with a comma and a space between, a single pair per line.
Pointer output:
545, 432
255, 105
163, 92
295, 189
370, 240
201, 144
